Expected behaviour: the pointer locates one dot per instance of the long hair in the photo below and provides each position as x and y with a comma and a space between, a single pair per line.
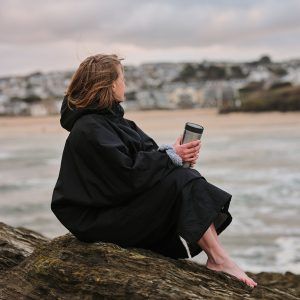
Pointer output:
93, 80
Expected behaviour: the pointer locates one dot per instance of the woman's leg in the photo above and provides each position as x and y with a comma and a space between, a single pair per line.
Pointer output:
218, 258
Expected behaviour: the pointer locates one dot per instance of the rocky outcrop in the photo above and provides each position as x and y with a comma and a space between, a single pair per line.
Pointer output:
16, 244
65, 268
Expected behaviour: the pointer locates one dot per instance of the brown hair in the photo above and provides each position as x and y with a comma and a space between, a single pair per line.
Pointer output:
93, 80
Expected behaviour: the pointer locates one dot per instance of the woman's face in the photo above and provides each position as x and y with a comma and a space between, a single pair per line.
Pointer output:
119, 85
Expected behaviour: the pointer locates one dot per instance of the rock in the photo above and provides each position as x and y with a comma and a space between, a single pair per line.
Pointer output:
65, 268
287, 282
16, 244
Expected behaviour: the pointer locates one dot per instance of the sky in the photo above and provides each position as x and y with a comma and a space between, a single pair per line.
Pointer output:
57, 35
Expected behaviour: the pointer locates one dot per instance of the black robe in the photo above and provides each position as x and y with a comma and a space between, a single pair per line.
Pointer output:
115, 186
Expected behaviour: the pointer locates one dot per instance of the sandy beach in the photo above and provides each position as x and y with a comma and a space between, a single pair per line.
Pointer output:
156, 122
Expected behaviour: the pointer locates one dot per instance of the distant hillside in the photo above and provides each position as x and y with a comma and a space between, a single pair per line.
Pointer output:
225, 85
286, 98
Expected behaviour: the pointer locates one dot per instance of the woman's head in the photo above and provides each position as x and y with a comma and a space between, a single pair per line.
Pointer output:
99, 77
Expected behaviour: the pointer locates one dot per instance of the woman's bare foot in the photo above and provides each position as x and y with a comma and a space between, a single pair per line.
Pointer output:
229, 266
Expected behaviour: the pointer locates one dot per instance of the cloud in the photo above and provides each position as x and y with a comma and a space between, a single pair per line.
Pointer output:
138, 27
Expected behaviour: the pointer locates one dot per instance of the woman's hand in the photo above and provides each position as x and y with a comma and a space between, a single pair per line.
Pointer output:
189, 152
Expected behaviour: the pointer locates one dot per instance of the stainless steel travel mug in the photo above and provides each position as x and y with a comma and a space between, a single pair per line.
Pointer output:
191, 132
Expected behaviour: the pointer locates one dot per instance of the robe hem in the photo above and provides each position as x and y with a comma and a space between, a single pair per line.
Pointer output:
193, 247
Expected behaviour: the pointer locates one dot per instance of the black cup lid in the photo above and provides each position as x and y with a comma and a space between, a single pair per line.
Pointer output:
194, 127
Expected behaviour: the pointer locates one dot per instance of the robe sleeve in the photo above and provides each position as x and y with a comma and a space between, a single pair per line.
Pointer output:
121, 172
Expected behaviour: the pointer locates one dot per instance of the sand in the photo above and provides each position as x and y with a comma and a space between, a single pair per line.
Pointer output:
163, 122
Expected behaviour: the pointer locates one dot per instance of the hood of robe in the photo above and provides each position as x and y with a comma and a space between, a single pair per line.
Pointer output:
68, 116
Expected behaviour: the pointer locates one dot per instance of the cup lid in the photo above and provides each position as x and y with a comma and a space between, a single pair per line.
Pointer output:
194, 127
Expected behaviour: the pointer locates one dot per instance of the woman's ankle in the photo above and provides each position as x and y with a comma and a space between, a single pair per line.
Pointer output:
218, 258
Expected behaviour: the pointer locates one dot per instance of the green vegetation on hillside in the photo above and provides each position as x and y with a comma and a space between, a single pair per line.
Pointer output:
285, 98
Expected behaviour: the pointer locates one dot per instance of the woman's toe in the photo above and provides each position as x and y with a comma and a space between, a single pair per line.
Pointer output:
253, 282
249, 282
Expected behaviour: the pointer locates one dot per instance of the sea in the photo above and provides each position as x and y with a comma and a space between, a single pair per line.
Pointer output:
259, 166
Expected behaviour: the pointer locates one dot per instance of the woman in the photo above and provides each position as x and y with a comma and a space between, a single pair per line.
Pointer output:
116, 185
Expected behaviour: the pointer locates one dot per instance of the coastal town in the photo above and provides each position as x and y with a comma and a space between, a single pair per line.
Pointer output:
223, 85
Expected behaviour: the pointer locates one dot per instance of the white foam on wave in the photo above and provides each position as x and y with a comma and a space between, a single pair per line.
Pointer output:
26, 183
268, 268
280, 257
288, 256
5, 155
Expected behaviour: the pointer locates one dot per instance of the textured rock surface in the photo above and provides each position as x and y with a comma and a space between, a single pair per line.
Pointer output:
16, 244
65, 268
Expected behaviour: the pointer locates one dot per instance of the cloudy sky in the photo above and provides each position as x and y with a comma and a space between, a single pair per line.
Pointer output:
57, 35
